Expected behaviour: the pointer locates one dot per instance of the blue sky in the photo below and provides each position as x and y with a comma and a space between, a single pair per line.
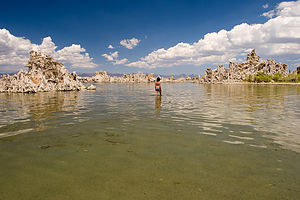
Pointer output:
94, 25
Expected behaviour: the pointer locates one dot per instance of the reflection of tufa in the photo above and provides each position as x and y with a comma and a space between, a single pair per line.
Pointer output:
44, 74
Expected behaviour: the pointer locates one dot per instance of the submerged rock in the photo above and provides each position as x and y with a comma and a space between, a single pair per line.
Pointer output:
44, 74
238, 72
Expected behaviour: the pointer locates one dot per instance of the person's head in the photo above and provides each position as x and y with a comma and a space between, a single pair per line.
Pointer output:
157, 79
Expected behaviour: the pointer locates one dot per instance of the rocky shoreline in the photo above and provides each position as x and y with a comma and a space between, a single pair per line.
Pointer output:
44, 74
103, 77
241, 72
237, 73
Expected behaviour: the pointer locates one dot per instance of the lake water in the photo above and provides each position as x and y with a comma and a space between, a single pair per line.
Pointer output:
122, 142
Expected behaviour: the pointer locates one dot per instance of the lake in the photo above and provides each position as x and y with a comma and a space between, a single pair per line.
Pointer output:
123, 142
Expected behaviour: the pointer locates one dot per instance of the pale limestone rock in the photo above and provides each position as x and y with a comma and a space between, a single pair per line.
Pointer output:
91, 87
188, 78
180, 80
218, 75
252, 58
102, 77
238, 72
168, 80
44, 74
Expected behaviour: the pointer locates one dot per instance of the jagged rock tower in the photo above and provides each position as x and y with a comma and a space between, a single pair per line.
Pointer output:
44, 74
238, 72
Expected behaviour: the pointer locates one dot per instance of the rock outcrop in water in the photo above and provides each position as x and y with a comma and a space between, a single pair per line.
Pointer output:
99, 77
137, 78
238, 72
44, 74
102, 77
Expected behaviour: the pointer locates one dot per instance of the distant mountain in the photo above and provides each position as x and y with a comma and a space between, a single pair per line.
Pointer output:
11, 73
85, 74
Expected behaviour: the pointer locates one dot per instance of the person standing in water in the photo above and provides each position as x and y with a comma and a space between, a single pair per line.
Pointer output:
158, 86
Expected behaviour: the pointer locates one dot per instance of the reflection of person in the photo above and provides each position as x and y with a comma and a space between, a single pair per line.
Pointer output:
158, 105
158, 86
158, 102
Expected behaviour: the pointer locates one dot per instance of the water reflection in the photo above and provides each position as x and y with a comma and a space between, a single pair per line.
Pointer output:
157, 105
37, 109
273, 110
237, 114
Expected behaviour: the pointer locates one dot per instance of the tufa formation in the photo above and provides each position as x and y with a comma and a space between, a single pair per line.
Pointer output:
102, 77
238, 72
44, 74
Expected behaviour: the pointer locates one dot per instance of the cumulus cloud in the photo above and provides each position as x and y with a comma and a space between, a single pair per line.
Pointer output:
270, 14
14, 52
278, 37
76, 56
121, 62
113, 57
265, 6
110, 46
130, 43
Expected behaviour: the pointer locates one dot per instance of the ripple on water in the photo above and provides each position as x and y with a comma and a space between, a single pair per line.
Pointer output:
233, 142
12, 133
230, 111
242, 138
209, 136
207, 133
258, 146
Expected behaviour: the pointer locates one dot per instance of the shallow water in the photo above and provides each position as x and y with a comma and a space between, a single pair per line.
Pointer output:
122, 142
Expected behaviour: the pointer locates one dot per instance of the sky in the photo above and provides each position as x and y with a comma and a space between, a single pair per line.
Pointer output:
163, 37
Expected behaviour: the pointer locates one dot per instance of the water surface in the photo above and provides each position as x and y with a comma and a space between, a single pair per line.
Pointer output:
123, 142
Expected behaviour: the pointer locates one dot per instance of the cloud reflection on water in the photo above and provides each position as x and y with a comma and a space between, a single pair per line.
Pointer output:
249, 114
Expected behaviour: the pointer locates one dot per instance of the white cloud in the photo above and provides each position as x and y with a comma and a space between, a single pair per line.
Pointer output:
76, 56
270, 14
14, 52
113, 57
110, 46
265, 6
47, 46
130, 43
121, 62
278, 37
285, 9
